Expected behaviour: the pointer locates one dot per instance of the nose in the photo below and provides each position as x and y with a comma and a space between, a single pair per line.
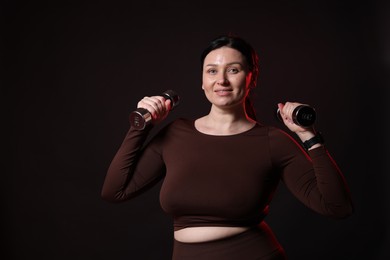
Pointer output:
223, 81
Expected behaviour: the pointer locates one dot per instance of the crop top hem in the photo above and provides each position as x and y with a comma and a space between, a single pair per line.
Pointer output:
177, 228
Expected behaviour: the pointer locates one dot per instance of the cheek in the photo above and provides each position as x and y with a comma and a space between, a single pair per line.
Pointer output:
206, 83
241, 82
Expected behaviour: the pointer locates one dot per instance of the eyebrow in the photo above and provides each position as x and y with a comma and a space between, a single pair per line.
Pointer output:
231, 63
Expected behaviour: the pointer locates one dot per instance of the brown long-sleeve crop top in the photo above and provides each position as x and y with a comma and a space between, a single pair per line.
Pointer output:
224, 180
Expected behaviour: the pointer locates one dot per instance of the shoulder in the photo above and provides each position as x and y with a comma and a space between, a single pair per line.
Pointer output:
277, 137
177, 125
277, 133
271, 131
170, 130
282, 143
180, 123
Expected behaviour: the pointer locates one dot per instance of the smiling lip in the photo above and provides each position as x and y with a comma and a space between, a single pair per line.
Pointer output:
223, 92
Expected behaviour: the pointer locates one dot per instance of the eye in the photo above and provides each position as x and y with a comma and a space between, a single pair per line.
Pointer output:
212, 71
233, 70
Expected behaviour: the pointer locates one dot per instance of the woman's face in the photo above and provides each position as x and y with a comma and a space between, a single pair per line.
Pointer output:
226, 77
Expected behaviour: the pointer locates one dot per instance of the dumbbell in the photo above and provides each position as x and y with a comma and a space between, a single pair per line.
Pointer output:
141, 117
303, 115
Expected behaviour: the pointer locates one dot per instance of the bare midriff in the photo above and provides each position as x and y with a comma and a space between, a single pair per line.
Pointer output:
205, 234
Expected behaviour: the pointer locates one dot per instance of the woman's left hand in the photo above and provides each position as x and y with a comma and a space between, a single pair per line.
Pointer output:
286, 111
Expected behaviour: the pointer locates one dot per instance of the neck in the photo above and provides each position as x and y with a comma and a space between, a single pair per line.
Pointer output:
223, 122
227, 117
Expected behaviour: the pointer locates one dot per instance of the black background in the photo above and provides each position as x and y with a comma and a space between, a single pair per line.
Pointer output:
72, 73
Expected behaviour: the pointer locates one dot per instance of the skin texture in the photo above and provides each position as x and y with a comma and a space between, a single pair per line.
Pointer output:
226, 80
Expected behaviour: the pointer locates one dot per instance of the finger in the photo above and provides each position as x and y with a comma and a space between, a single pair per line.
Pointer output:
289, 110
154, 103
280, 106
168, 104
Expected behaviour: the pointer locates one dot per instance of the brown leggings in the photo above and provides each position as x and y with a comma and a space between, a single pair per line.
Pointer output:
255, 243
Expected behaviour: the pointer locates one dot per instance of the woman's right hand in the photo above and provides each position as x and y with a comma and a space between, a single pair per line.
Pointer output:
157, 106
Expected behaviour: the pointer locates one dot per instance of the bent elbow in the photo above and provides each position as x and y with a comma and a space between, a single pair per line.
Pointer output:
342, 212
115, 197
348, 212
109, 197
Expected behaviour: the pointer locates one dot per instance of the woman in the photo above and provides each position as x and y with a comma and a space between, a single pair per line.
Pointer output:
220, 171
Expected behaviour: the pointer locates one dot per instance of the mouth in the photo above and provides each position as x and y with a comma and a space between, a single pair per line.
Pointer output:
223, 91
